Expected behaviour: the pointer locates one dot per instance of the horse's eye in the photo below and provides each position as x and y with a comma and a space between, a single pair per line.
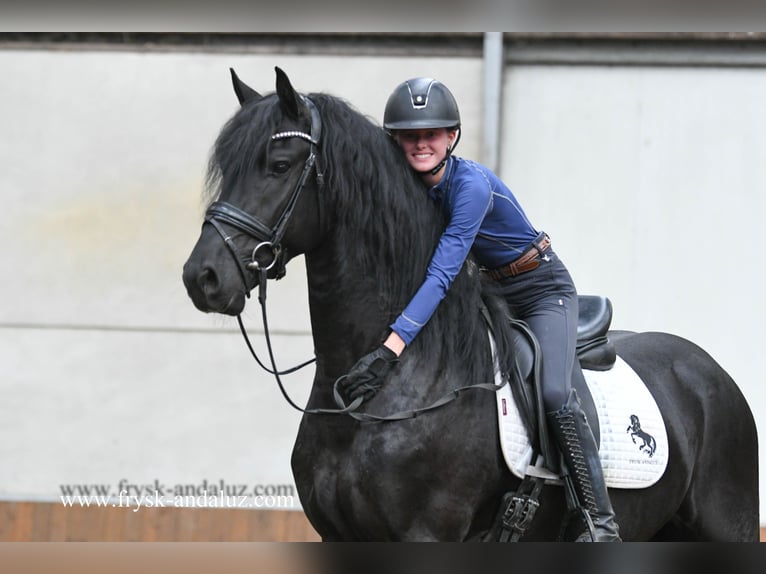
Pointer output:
280, 166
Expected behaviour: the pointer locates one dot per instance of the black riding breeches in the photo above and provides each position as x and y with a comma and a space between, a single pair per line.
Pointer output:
546, 299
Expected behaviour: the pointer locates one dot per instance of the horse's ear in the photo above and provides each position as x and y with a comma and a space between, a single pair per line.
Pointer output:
288, 97
244, 92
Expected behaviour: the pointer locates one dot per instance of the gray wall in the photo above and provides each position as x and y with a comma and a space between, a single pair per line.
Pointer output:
649, 179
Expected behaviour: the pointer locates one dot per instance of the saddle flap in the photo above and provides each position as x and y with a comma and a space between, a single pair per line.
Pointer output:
528, 397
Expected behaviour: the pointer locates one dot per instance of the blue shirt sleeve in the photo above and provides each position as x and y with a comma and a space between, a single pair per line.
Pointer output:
470, 202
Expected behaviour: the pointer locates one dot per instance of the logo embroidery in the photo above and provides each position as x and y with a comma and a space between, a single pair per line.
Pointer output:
649, 445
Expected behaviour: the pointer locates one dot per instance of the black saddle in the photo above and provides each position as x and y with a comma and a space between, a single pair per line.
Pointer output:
595, 352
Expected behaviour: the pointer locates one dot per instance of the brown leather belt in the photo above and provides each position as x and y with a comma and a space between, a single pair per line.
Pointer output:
528, 260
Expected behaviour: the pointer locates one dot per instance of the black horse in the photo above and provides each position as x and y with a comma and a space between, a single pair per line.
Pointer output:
293, 174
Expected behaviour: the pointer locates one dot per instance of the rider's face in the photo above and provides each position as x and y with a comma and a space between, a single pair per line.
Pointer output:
425, 148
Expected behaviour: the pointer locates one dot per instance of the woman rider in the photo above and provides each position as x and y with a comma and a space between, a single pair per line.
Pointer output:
485, 218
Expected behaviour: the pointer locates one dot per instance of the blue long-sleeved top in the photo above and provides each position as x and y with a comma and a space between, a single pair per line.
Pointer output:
483, 217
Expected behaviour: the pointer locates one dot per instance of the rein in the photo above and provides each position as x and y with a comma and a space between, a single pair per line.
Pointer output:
276, 372
350, 410
222, 212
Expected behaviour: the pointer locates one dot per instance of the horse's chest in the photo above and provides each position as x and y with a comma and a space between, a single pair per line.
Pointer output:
344, 480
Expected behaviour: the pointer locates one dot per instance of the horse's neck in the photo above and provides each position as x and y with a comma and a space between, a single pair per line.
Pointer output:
352, 304
346, 322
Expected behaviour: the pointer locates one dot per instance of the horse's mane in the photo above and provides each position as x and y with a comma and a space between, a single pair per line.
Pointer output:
382, 214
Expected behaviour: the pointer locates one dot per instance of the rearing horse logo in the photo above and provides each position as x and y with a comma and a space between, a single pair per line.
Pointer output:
649, 445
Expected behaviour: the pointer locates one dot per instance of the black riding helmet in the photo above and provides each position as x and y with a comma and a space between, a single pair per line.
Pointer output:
422, 103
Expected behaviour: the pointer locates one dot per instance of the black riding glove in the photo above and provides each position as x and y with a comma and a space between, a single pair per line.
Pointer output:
366, 377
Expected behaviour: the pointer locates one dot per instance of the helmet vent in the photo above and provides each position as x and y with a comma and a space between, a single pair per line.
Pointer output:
419, 99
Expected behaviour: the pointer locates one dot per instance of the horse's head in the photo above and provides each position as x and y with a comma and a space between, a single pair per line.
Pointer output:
265, 177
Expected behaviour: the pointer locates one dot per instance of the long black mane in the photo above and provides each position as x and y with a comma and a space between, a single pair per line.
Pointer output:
384, 220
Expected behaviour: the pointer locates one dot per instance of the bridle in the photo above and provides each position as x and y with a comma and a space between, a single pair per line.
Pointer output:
269, 238
223, 213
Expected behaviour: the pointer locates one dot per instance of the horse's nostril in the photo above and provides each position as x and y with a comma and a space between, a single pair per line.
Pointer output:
207, 280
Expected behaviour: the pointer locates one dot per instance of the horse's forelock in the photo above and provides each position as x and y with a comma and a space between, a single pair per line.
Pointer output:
243, 139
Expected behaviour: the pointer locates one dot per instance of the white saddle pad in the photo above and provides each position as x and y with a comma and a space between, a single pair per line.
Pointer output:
634, 442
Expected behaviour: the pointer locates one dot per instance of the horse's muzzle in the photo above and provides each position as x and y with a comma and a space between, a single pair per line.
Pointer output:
209, 292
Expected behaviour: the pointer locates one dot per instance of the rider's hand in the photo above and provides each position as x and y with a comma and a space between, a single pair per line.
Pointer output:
366, 377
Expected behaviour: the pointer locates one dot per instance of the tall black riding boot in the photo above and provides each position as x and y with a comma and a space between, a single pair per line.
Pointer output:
580, 452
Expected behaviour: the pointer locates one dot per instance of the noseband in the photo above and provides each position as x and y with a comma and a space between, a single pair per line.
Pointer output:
222, 213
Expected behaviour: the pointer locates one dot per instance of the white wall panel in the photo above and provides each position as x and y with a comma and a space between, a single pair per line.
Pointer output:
651, 182
85, 406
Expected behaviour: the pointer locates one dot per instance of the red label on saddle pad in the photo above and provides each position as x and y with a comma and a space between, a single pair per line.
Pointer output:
505, 411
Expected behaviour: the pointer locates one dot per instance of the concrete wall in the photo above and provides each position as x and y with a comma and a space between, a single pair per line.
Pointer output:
647, 177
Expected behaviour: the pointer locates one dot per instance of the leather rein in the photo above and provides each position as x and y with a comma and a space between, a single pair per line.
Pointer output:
221, 213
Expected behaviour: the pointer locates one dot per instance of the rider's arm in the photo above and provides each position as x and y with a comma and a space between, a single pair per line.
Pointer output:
470, 204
